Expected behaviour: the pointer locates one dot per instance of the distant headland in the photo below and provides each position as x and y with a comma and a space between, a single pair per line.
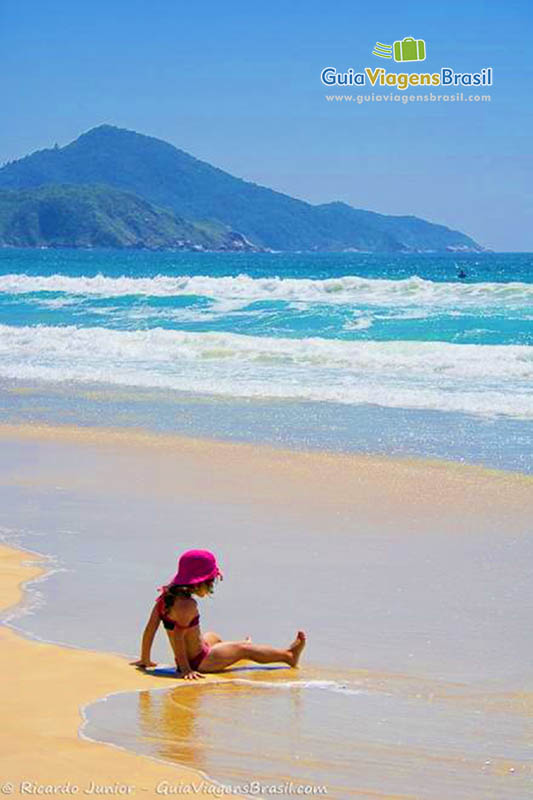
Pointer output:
116, 188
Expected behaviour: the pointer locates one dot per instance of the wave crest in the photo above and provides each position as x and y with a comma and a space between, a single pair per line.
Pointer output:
479, 379
413, 291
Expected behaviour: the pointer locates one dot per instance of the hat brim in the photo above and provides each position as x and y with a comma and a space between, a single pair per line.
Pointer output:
178, 580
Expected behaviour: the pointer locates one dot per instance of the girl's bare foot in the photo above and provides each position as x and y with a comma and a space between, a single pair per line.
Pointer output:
295, 649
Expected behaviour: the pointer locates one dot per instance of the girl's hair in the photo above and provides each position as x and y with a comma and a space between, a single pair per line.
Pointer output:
171, 592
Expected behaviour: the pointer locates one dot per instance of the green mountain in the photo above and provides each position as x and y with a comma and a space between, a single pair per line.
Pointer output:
100, 216
194, 190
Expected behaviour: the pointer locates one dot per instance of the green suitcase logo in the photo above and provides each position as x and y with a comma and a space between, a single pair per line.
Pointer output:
410, 49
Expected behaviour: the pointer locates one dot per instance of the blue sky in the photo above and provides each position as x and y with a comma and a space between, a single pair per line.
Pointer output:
238, 85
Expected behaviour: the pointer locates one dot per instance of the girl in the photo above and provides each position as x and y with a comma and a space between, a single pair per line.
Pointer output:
178, 611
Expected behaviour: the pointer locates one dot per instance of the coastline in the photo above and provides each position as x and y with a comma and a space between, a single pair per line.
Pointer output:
342, 479
499, 442
43, 693
355, 498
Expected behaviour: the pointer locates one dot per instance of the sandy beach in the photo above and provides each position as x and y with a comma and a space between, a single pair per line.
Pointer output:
44, 691
266, 293
337, 497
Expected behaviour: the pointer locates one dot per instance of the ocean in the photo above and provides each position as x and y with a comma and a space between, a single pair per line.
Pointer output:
405, 354
416, 680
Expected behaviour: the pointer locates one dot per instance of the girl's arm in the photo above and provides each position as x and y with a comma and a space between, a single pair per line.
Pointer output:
148, 637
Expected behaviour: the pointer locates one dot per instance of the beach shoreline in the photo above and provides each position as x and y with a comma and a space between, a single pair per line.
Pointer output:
48, 685
338, 467
494, 441
44, 691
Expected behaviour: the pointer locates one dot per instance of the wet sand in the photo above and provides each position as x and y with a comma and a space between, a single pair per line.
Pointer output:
307, 483
43, 692
342, 496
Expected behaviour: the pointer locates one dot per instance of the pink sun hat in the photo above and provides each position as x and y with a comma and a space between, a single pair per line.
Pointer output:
195, 566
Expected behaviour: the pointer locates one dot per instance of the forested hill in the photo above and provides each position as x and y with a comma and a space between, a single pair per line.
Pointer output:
169, 178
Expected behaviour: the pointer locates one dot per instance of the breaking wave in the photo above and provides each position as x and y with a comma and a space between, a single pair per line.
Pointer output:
479, 379
413, 291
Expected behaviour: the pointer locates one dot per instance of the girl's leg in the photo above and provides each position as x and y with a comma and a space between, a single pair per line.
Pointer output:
224, 654
212, 638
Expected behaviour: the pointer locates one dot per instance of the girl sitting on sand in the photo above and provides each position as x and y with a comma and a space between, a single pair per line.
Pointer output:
178, 611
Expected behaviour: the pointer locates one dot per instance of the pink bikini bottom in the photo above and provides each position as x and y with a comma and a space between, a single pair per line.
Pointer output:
197, 660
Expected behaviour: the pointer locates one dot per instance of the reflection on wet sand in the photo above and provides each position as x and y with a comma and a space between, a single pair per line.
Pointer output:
171, 725
179, 723
359, 733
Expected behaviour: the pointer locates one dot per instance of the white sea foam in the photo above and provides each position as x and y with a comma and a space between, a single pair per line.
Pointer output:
243, 289
328, 686
359, 323
479, 379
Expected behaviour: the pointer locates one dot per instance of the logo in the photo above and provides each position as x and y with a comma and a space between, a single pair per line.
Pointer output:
404, 50
382, 50
407, 49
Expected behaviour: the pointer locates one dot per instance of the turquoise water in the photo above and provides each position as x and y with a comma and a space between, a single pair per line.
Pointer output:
344, 297
427, 355
346, 352
399, 332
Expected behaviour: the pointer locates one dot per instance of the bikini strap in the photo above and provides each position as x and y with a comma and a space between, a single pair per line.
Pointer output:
192, 624
160, 601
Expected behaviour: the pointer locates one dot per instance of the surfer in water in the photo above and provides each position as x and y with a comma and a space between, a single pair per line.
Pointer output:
195, 653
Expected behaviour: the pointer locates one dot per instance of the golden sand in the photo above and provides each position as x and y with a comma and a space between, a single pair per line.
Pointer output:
42, 695
45, 687
43, 690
